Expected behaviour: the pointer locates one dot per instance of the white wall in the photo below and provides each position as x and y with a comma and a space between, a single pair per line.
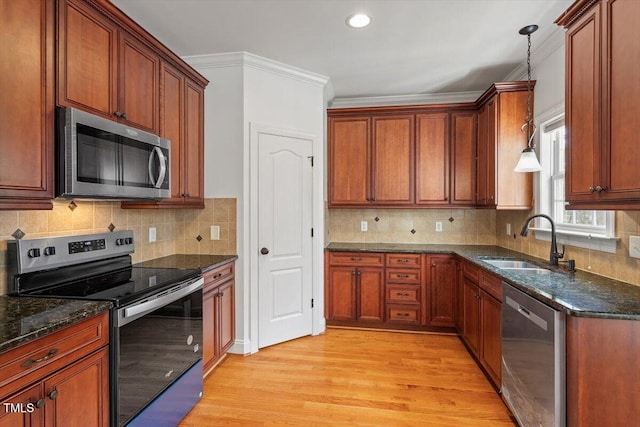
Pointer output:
246, 89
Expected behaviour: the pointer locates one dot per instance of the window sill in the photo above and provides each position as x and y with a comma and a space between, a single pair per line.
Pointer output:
597, 242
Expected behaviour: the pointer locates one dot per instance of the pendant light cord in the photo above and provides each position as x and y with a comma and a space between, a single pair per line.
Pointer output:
529, 118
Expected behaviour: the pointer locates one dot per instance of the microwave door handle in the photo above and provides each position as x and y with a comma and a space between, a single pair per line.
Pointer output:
162, 160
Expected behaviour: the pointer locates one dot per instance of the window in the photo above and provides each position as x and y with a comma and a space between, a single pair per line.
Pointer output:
584, 228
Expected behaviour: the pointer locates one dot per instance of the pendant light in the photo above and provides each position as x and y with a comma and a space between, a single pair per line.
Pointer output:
528, 161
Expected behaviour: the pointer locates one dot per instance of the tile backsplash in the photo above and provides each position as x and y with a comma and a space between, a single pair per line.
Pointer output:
176, 229
459, 226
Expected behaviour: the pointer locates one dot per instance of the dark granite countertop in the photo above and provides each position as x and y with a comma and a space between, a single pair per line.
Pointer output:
579, 294
23, 319
201, 262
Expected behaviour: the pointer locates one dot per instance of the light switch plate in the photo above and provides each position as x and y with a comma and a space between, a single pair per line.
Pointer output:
634, 246
152, 234
215, 232
439, 226
508, 229
364, 225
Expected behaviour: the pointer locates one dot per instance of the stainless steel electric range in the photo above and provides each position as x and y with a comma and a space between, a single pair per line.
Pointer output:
156, 320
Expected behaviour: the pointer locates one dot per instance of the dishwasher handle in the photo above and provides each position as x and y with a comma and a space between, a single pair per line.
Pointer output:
534, 318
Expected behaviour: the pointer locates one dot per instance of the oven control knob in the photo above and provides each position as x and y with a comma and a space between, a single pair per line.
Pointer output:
128, 240
49, 250
33, 253
119, 242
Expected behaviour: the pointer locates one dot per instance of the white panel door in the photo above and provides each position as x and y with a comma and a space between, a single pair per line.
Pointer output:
284, 236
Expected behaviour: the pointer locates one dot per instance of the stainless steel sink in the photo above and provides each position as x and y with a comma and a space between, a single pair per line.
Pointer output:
517, 266
510, 263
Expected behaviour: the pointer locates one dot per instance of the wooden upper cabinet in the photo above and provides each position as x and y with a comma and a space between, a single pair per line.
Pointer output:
602, 103
26, 104
138, 84
393, 160
463, 158
104, 70
194, 145
349, 148
172, 122
87, 59
500, 143
432, 159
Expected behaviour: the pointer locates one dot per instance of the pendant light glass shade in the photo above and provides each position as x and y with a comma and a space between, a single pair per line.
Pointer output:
528, 161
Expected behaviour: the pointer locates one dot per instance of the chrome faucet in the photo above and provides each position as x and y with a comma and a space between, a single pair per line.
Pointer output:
554, 255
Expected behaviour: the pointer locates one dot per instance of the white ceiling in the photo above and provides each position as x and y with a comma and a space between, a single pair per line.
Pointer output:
411, 46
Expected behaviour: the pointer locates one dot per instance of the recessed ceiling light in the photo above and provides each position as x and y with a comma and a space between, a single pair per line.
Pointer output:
358, 20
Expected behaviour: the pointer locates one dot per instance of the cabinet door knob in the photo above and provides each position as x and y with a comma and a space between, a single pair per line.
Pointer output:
39, 403
599, 188
446, 199
592, 189
53, 394
433, 265
264, 251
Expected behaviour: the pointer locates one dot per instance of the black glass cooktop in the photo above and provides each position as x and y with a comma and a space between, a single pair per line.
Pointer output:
119, 283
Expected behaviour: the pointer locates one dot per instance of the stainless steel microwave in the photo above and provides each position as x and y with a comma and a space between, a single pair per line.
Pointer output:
97, 158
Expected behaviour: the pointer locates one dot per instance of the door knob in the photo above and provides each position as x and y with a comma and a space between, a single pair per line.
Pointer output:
264, 251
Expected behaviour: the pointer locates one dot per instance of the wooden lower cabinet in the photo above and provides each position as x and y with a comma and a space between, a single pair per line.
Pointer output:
471, 315
65, 387
218, 314
481, 319
370, 295
356, 294
603, 372
441, 285
490, 336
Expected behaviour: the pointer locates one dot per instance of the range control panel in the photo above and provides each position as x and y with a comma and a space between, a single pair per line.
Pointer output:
29, 255
87, 245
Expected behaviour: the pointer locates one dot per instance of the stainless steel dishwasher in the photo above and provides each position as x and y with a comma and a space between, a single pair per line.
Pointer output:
533, 360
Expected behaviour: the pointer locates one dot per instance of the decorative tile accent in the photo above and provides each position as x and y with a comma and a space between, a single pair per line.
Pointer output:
199, 238
72, 206
18, 234
413, 231
376, 219
111, 227
451, 219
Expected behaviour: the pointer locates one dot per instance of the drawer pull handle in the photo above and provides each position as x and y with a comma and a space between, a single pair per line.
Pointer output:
30, 362
403, 294
53, 394
402, 276
403, 260
403, 314
356, 259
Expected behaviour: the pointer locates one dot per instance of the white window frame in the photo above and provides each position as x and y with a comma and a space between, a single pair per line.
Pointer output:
596, 238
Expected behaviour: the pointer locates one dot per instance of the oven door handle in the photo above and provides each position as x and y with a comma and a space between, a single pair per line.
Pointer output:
129, 314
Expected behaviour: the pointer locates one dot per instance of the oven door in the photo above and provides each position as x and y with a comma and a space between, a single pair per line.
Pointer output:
157, 341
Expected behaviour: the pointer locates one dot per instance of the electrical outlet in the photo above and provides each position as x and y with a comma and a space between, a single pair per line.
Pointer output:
215, 232
364, 225
152, 234
439, 226
508, 229
634, 246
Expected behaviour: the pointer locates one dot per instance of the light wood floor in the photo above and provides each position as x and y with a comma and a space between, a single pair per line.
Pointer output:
351, 378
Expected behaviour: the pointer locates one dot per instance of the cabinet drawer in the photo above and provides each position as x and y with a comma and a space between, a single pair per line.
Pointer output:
404, 260
402, 276
409, 314
218, 275
403, 294
356, 259
491, 284
471, 271
36, 359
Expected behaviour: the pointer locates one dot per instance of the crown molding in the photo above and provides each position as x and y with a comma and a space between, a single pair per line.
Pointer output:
550, 45
417, 99
246, 59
